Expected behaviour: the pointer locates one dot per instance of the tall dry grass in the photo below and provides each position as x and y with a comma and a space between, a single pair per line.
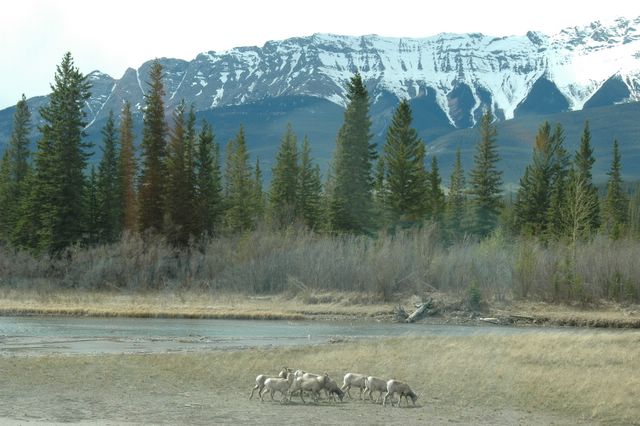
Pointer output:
300, 262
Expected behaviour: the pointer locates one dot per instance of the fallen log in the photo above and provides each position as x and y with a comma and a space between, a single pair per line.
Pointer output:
417, 314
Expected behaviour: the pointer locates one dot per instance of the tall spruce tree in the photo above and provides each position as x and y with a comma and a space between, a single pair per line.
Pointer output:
402, 186
584, 161
350, 199
54, 212
309, 198
283, 192
109, 202
259, 201
152, 180
14, 170
128, 170
485, 180
92, 234
436, 195
577, 208
456, 201
209, 206
178, 210
238, 185
558, 186
616, 202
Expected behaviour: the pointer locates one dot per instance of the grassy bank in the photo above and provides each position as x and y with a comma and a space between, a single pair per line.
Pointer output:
589, 377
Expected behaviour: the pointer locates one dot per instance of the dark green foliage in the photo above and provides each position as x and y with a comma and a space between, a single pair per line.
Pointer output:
238, 186
258, 200
538, 209
350, 200
436, 205
14, 170
485, 180
283, 192
456, 201
127, 168
109, 201
401, 185
208, 186
577, 208
53, 216
616, 203
584, 161
309, 199
152, 186
92, 206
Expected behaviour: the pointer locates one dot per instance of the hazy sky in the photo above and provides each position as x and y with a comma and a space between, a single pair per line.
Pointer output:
112, 35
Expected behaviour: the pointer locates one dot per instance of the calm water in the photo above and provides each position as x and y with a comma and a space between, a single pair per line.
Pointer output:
28, 335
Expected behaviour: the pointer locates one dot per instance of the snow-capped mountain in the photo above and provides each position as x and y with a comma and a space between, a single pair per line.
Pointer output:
535, 73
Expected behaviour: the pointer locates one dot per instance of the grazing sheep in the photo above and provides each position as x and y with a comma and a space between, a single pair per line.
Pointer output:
309, 384
353, 379
305, 375
277, 384
333, 389
373, 384
261, 378
402, 389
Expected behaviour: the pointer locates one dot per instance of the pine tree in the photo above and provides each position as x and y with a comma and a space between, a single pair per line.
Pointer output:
258, 199
108, 187
350, 200
616, 202
15, 170
584, 161
558, 186
190, 173
402, 186
92, 235
577, 208
309, 189
208, 183
456, 201
127, 167
54, 212
178, 211
485, 180
284, 181
239, 186
152, 187
436, 195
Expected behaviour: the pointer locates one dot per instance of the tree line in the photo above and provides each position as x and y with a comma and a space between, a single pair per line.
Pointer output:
179, 187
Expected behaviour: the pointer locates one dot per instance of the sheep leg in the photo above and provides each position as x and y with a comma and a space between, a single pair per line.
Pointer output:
348, 387
254, 389
384, 401
361, 393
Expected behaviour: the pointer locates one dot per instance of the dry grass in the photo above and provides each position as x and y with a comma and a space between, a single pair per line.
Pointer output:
589, 376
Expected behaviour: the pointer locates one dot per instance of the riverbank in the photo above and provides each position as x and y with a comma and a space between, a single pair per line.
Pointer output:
497, 380
445, 309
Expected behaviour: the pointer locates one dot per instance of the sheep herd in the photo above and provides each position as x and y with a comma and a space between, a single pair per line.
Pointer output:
289, 383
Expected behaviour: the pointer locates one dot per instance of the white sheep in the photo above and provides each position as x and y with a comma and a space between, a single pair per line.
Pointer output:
354, 379
305, 375
403, 389
278, 384
373, 384
261, 378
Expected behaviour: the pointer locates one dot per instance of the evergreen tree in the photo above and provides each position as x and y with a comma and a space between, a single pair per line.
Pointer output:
109, 203
54, 212
239, 187
178, 211
577, 208
127, 167
436, 195
616, 203
284, 181
152, 187
15, 170
208, 183
350, 200
190, 173
402, 186
258, 199
309, 189
456, 202
559, 182
485, 179
93, 209
584, 161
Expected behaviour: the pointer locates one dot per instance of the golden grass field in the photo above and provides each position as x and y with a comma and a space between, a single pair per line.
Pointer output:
545, 378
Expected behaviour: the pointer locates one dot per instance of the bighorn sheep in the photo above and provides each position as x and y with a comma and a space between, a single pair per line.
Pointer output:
278, 384
402, 389
312, 384
333, 389
373, 384
353, 379
261, 378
